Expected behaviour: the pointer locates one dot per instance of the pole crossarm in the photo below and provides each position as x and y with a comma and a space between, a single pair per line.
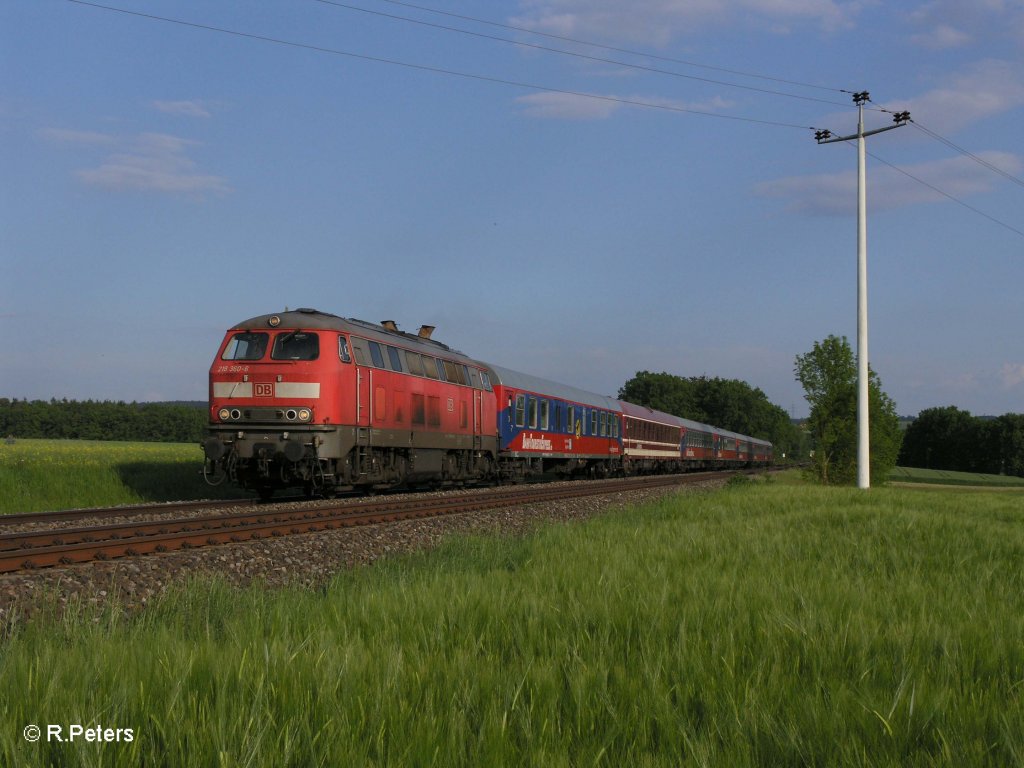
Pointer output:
826, 137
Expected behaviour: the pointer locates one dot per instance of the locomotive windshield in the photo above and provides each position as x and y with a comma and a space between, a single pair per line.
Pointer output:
296, 345
246, 346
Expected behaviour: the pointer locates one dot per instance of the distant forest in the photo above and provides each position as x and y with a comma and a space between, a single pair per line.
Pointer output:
106, 420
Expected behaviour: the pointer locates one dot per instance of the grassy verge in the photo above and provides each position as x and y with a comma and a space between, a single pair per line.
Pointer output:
39, 475
764, 625
945, 477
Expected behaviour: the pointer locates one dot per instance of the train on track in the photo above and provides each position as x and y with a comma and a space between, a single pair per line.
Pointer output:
306, 399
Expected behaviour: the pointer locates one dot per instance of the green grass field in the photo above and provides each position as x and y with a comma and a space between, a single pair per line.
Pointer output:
763, 625
945, 477
42, 475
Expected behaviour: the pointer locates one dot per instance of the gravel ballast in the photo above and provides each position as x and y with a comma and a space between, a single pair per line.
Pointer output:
308, 560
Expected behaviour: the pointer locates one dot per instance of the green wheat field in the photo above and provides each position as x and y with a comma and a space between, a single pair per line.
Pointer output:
767, 624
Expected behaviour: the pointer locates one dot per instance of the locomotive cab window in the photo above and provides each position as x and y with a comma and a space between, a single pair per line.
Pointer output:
246, 346
296, 345
343, 352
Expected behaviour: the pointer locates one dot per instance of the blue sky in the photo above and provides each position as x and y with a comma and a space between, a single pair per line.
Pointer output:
164, 181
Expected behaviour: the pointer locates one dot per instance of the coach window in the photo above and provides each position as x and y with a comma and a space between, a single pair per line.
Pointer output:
396, 361
343, 350
376, 355
545, 412
520, 410
531, 413
593, 423
415, 363
246, 346
604, 424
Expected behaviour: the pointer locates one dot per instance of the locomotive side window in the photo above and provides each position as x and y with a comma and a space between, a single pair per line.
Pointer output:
451, 372
485, 380
415, 363
440, 370
396, 361
474, 378
296, 345
430, 367
376, 355
343, 350
359, 348
246, 346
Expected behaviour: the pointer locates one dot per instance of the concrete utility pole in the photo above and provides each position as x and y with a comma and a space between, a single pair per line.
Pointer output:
826, 137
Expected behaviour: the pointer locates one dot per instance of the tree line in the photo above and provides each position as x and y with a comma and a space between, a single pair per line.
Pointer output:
952, 439
940, 438
102, 420
726, 403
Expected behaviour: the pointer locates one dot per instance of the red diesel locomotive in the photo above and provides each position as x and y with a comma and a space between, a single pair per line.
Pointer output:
312, 400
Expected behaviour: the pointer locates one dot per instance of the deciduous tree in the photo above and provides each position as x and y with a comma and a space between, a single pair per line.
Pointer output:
828, 374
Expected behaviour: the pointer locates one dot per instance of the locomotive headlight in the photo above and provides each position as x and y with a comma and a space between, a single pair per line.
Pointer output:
305, 414
223, 414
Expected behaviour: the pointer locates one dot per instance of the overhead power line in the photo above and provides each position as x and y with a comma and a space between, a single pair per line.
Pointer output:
576, 54
578, 41
947, 195
531, 86
966, 153
437, 70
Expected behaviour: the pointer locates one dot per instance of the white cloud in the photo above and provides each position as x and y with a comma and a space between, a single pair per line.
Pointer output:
570, 106
942, 36
182, 108
81, 138
566, 106
658, 22
157, 162
985, 89
836, 193
946, 24
1012, 375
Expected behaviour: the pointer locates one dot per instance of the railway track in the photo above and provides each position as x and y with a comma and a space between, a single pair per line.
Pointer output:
27, 550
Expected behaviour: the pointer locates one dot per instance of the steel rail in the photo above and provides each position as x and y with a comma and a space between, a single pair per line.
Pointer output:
40, 549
